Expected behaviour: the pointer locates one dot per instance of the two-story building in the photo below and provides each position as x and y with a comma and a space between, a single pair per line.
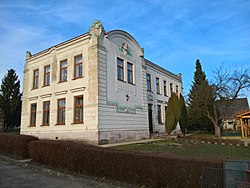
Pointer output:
97, 87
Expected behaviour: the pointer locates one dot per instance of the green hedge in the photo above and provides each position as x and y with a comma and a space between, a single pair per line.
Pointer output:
153, 170
15, 145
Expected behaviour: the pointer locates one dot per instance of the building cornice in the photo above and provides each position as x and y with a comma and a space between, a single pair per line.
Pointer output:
164, 71
85, 35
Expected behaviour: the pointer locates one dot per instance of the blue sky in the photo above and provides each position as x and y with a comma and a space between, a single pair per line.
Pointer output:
174, 33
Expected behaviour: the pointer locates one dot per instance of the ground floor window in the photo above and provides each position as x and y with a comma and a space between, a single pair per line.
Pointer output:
46, 111
78, 109
33, 115
61, 103
159, 114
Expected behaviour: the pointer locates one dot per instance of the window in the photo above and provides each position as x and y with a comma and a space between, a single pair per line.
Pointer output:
35, 78
177, 90
158, 85
78, 66
61, 111
46, 75
171, 87
159, 114
148, 82
120, 72
166, 107
46, 109
63, 71
33, 115
130, 73
165, 88
78, 109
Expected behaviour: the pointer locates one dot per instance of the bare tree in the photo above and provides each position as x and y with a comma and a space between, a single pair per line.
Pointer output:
227, 85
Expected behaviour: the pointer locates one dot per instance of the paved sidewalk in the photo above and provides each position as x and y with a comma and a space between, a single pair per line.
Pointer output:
16, 175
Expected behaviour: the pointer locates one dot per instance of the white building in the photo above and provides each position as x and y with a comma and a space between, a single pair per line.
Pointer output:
96, 87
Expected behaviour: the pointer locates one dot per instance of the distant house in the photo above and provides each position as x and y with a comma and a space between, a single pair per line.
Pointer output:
1, 120
229, 109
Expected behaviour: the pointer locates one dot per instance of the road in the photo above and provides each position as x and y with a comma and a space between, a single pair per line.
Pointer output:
13, 176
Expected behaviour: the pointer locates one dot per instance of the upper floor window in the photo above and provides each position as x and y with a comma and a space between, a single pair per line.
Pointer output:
171, 87
61, 103
35, 78
78, 109
165, 88
159, 114
46, 112
33, 115
177, 90
63, 71
158, 85
78, 66
130, 73
148, 82
120, 69
47, 75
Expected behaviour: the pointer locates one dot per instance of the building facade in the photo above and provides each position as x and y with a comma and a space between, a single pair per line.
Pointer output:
96, 87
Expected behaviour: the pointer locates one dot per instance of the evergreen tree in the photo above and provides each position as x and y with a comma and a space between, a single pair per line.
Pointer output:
196, 115
184, 116
172, 114
10, 99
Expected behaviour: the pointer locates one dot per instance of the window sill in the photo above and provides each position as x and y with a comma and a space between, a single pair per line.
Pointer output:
131, 83
58, 124
46, 125
77, 123
77, 78
34, 88
62, 82
32, 126
158, 93
46, 85
122, 81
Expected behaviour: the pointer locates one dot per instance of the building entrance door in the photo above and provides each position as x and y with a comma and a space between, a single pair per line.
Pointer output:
150, 118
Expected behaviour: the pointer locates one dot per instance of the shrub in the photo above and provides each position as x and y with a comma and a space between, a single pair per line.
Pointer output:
15, 145
150, 169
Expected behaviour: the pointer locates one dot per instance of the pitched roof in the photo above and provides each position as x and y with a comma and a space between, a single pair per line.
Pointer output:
233, 107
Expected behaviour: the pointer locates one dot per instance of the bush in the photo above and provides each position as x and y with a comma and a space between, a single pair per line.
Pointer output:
150, 169
15, 145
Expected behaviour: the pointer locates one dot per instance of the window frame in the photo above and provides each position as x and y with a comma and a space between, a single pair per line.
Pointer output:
171, 87
149, 88
120, 67
35, 79
46, 81
33, 113
47, 111
63, 69
157, 82
131, 73
78, 106
165, 88
159, 114
79, 64
59, 109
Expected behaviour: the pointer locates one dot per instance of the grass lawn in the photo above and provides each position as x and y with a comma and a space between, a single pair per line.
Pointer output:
187, 149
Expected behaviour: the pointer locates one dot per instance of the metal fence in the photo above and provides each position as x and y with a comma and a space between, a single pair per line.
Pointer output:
225, 178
